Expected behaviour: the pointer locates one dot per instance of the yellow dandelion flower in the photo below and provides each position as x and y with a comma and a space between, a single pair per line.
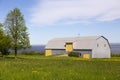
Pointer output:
34, 71
22, 69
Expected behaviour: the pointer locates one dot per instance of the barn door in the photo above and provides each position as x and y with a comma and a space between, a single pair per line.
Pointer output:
48, 52
69, 47
86, 55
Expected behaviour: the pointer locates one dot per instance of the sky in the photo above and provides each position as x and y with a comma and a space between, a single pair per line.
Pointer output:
48, 19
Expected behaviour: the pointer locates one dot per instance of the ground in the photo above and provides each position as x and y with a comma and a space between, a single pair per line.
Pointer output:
37, 67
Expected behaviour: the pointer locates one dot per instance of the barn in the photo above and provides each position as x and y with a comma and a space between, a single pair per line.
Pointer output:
89, 47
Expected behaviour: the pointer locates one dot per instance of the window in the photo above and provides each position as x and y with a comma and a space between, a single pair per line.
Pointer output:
104, 45
97, 45
65, 45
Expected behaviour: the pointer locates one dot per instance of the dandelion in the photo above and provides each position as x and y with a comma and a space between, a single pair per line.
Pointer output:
5, 63
22, 69
104, 78
34, 71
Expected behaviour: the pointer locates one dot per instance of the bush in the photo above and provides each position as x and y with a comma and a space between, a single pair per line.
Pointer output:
115, 55
28, 52
40, 53
74, 54
32, 53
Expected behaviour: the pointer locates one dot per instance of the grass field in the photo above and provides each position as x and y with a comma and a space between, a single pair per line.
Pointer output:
37, 67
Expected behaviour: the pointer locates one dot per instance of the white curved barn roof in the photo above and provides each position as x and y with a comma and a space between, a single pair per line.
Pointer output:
78, 42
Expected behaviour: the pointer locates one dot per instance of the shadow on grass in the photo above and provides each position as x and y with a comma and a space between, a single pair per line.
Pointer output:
12, 57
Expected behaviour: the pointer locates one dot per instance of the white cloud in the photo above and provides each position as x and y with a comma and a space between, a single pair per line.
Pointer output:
74, 11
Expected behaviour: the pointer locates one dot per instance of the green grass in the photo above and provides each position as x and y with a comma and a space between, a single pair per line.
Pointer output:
37, 67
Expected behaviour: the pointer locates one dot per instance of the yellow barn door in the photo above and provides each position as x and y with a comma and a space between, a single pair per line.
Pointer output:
69, 47
86, 56
48, 52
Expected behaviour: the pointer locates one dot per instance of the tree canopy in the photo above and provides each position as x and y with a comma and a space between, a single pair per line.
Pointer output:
4, 41
15, 27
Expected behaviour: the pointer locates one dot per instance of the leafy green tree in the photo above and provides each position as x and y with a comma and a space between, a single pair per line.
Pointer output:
4, 42
17, 30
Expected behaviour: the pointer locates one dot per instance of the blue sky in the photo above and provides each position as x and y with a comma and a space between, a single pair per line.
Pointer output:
47, 19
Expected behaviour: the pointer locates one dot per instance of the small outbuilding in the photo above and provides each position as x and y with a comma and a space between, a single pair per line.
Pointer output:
89, 47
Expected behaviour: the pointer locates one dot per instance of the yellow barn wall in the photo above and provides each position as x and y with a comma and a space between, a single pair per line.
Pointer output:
48, 52
87, 56
69, 47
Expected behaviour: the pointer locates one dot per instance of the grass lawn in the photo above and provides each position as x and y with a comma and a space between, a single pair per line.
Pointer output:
37, 67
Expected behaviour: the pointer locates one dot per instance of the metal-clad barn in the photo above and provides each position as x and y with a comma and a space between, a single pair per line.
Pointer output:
89, 47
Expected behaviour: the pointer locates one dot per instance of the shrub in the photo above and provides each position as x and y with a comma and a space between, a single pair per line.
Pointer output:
32, 53
40, 53
74, 54
28, 52
115, 55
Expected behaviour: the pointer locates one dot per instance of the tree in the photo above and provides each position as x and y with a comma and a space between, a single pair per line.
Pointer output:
4, 42
17, 30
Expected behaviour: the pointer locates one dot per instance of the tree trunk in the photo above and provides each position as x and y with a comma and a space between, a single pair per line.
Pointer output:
15, 52
3, 57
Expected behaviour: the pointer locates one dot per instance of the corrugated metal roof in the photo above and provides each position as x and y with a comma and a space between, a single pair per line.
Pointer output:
78, 42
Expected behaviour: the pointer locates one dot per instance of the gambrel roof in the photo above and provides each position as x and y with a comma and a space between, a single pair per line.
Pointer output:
78, 42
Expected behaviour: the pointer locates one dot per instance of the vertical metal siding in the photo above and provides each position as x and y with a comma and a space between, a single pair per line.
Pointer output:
58, 51
84, 52
101, 51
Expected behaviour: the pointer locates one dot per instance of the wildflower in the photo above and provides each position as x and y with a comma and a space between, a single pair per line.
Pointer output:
34, 71
5, 63
22, 69
104, 78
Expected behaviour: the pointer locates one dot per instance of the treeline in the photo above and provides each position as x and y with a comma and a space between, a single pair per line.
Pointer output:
13, 33
4, 41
